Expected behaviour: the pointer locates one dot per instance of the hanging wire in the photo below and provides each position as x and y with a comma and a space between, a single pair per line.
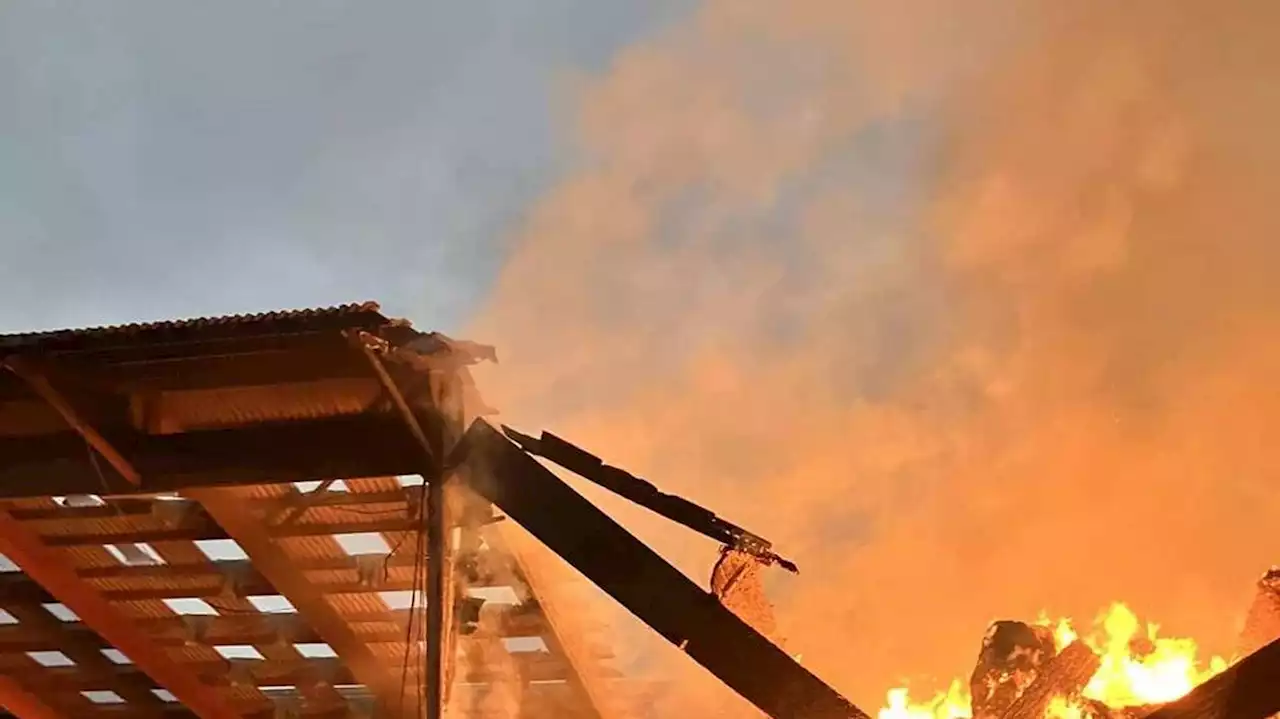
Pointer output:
419, 568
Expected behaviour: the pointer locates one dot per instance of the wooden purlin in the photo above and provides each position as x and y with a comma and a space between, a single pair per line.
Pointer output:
24, 547
46, 567
278, 568
16, 700
318, 694
135, 688
257, 628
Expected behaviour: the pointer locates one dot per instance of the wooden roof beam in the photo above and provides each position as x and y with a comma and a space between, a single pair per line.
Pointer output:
133, 506
315, 690
269, 453
278, 568
254, 583
48, 568
532, 666
40, 383
23, 704
51, 570
208, 529
86, 653
173, 631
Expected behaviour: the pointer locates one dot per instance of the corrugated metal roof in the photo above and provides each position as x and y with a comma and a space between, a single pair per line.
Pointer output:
356, 315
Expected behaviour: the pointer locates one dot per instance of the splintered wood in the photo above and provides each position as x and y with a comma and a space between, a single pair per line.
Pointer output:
737, 582
1065, 675
1262, 624
1012, 656
1019, 671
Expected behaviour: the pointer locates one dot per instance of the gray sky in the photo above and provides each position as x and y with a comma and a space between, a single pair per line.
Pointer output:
165, 159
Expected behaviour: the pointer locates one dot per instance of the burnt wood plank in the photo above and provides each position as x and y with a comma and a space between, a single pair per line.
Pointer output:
645, 583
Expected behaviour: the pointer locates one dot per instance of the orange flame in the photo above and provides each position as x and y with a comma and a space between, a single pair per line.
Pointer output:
1139, 667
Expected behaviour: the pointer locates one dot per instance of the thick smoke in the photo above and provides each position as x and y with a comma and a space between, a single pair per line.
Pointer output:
973, 308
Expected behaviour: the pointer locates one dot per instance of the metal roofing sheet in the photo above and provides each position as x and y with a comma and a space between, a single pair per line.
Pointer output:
260, 323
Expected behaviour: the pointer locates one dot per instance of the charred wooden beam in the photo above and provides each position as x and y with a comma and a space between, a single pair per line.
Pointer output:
646, 584
146, 506
263, 453
1065, 675
1012, 653
47, 567
1249, 689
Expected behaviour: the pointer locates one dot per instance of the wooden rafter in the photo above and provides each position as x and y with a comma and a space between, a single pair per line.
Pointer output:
277, 567
48, 568
22, 703
39, 381
220, 403
86, 653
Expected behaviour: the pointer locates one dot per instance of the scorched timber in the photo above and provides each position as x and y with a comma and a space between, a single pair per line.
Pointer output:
643, 582
1064, 675
268, 453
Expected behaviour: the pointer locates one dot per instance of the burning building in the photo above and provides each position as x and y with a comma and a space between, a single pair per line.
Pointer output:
305, 514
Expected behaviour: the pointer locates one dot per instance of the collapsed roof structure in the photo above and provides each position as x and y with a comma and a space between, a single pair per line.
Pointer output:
293, 515
251, 516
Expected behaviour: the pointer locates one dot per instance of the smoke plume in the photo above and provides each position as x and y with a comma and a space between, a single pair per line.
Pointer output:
972, 308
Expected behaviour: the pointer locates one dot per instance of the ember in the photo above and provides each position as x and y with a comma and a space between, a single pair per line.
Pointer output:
1137, 669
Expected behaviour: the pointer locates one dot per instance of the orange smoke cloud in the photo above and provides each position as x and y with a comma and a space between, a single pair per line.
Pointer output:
972, 308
